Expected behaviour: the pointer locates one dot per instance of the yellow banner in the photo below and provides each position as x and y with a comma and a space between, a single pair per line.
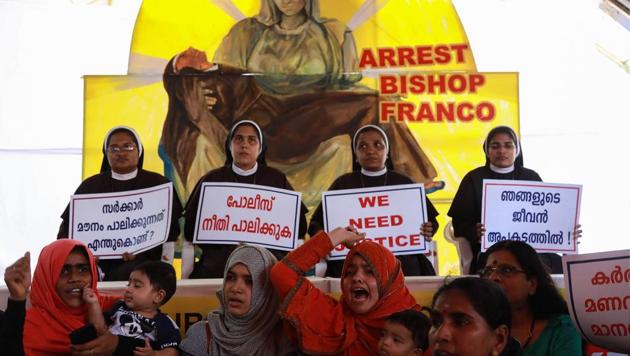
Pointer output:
406, 65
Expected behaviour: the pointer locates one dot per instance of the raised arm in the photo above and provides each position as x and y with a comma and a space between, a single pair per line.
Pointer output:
18, 280
286, 273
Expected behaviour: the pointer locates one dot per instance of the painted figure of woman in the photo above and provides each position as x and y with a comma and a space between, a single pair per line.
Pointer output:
301, 88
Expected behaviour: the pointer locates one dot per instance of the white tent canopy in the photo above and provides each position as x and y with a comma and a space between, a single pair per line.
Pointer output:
572, 99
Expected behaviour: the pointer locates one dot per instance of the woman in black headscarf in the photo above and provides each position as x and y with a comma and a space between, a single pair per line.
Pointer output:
121, 170
244, 163
504, 160
373, 168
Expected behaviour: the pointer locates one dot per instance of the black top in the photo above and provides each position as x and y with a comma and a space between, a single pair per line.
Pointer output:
466, 207
12, 328
12, 332
161, 330
117, 269
412, 265
214, 256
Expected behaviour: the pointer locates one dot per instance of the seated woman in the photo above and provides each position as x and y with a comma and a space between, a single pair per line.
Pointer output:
471, 316
504, 160
245, 163
372, 288
373, 168
540, 320
64, 268
247, 321
121, 170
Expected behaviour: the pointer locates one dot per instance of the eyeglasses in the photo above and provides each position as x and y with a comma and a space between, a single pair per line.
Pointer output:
501, 270
126, 148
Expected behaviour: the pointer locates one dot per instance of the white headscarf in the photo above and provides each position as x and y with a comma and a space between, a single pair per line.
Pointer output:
105, 163
127, 128
370, 127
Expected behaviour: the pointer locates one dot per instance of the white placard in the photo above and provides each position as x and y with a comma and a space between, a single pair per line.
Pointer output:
113, 223
544, 215
598, 294
232, 213
390, 215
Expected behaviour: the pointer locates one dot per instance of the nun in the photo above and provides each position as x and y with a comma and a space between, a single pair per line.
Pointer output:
372, 167
245, 163
504, 160
121, 170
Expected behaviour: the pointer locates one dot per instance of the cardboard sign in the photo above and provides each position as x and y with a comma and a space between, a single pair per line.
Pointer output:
598, 294
111, 224
233, 213
543, 215
391, 216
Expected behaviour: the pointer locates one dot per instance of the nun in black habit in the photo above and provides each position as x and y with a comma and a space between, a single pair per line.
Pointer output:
373, 168
121, 170
244, 163
504, 160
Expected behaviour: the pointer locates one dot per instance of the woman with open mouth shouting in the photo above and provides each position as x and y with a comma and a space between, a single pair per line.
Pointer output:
247, 321
372, 286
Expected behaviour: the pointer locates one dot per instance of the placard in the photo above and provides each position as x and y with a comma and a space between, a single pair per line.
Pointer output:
598, 295
544, 215
233, 213
391, 215
111, 224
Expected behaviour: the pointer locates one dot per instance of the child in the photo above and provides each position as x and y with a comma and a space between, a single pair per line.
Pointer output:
406, 333
372, 286
151, 284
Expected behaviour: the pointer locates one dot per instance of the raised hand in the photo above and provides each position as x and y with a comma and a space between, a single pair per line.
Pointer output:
349, 236
18, 277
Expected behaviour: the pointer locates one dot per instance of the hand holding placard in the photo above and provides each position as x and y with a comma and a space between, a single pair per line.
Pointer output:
426, 230
480, 229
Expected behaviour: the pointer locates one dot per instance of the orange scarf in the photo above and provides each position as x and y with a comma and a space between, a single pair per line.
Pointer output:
49, 321
347, 332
